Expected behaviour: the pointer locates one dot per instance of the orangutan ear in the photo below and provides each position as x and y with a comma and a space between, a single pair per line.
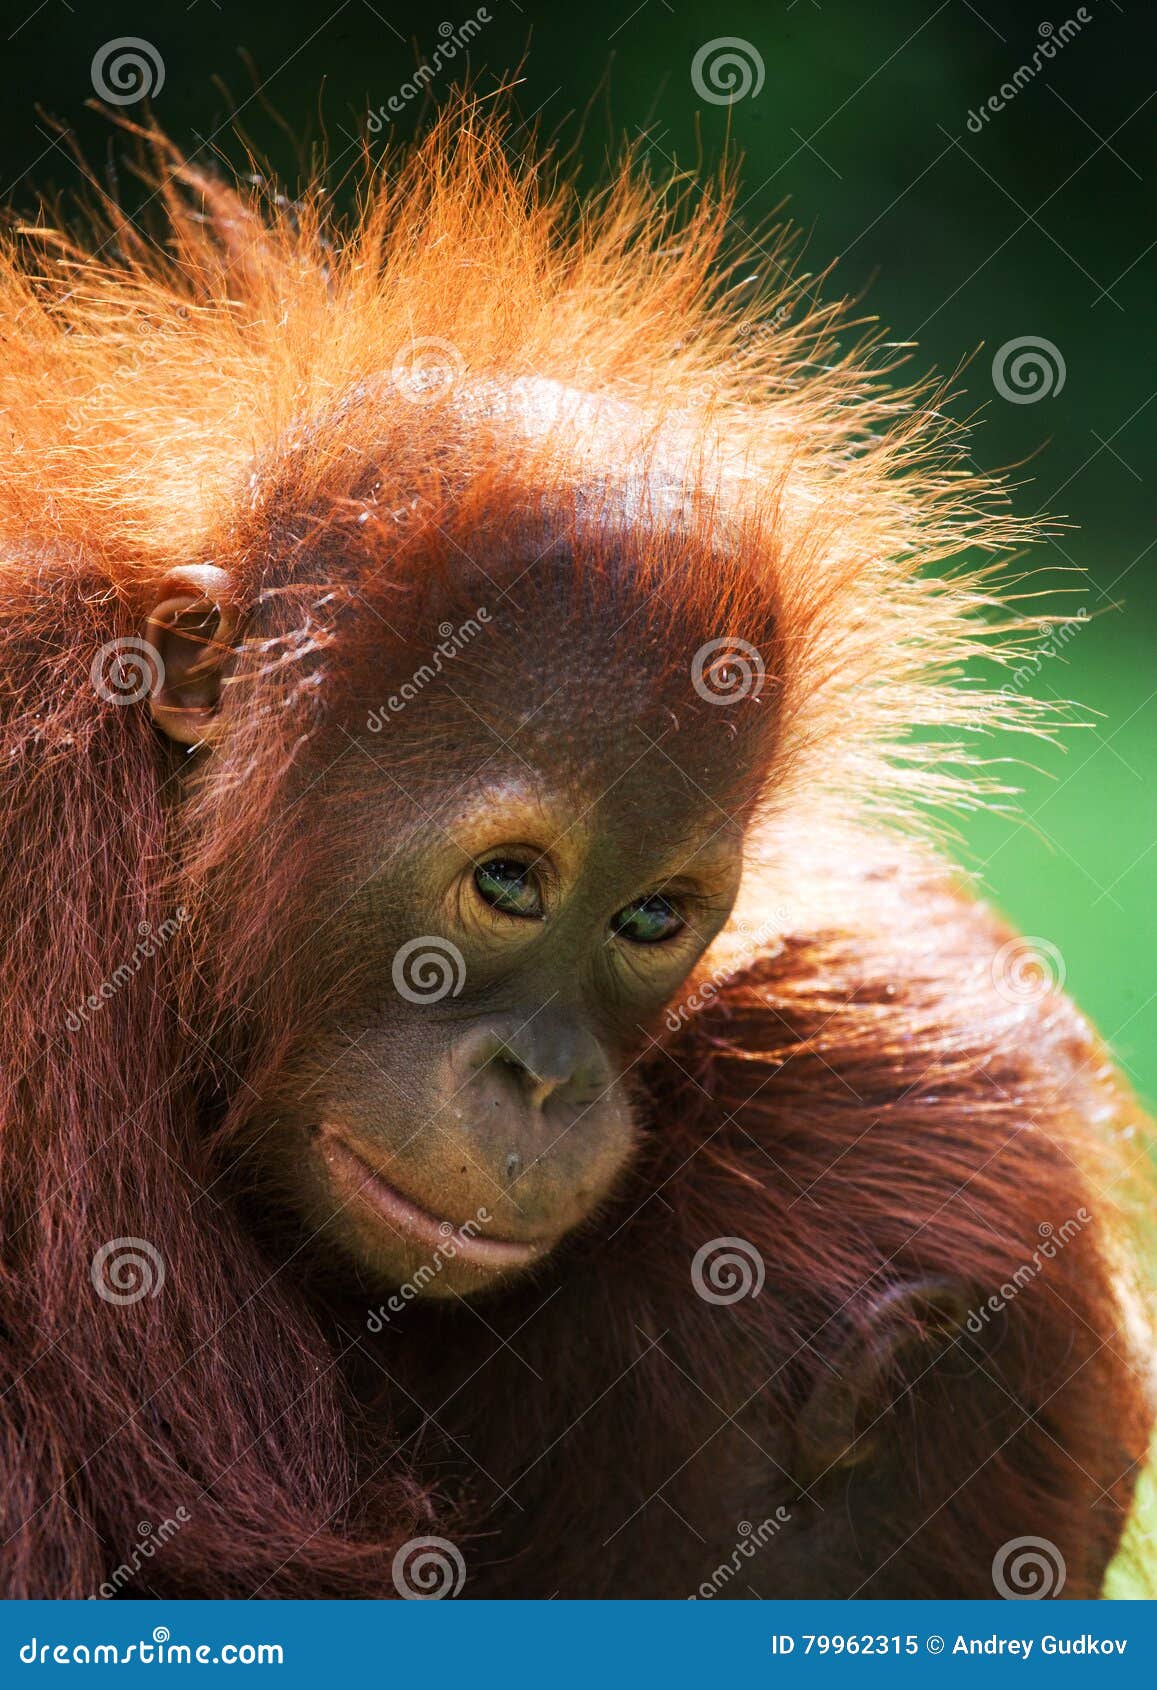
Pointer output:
842, 1422
191, 629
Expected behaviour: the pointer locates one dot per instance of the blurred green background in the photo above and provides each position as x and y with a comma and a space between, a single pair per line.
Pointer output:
967, 228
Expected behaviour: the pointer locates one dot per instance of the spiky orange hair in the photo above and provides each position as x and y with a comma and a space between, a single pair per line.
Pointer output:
162, 396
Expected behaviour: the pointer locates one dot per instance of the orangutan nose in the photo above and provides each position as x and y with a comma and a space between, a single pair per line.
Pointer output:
555, 1061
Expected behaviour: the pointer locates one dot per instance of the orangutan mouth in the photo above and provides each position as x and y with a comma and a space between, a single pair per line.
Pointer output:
357, 1181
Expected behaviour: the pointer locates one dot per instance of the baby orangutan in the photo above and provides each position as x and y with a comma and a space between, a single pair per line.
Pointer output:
491, 1053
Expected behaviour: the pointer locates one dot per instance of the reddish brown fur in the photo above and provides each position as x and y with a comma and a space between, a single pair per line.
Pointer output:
859, 1101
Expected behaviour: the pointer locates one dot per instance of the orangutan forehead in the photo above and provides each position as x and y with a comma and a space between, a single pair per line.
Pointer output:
624, 600
593, 641
583, 701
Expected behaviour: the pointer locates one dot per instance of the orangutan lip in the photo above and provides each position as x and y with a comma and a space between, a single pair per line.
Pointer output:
361, 1181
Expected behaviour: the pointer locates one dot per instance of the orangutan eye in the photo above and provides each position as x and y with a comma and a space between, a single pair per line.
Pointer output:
509, 887
648, 921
